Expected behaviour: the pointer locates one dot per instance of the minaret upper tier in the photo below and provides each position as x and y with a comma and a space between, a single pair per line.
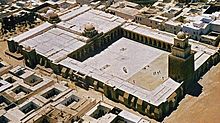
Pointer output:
181, 47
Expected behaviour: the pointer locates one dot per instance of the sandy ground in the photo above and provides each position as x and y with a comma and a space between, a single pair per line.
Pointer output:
12, 61
202, 109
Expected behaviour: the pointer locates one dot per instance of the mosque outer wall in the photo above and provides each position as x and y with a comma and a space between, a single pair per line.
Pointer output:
96, 45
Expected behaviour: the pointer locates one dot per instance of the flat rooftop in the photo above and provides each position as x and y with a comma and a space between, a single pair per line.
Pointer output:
103, 22
110, 116
74, 12
4, 85
149, 32
29, 34
55, 43
125, 10
203, 52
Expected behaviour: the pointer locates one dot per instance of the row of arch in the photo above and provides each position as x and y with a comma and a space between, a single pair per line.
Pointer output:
147, 40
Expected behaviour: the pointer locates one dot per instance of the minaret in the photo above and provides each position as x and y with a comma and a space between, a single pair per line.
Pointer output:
181, 60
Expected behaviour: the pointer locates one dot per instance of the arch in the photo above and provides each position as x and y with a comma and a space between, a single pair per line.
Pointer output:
169, 47
159, 44
135, 36
154, 42
125, 33
150, 41
146, 40
178, 45
115, 33
138, 38
129, 34
112, 36
132, 35
142, 39
164, 45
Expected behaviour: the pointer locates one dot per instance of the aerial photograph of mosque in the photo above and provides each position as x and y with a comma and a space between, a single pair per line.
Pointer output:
109, 61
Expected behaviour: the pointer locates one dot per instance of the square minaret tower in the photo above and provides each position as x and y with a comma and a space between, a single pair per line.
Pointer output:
181, 60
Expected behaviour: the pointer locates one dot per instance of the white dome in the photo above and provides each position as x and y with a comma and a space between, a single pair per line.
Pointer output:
181, 35
50, 11
28, 48
51, 14
89, 27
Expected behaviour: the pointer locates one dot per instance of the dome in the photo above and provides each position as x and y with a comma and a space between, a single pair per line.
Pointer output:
89, 27
28, 48
181, 35
51, 14
54, 15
